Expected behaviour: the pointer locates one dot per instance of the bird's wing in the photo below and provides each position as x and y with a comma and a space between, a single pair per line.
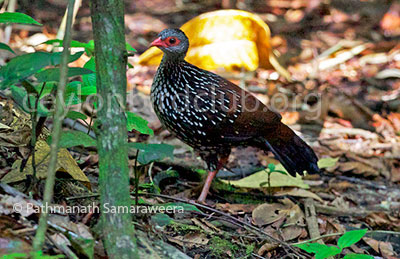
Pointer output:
249, 115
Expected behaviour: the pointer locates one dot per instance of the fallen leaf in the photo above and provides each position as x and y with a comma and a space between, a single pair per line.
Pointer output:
390, 22
358, 168
190, 240
383, 248
388, 73
267, 247
65, 162
10, 204
236, 209
294, 220
266, 214
327, 162
14, 245
277, 180
299, 193
229, 39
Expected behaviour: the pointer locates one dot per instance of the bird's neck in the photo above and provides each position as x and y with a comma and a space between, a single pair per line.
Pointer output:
172, 59
171, 65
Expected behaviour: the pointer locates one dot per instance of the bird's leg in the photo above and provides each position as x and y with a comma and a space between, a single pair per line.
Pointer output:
210, 177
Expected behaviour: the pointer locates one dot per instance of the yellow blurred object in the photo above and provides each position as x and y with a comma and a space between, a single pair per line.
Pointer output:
229, 39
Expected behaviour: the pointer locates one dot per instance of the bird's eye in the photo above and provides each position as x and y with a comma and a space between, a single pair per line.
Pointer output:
172, 40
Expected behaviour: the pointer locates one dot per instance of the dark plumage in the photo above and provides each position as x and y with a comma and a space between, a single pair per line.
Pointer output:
212, 114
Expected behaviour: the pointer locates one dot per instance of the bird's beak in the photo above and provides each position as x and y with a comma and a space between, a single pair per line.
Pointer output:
158, 43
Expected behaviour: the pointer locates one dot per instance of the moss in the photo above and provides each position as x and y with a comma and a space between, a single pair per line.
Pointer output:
250, 249
182, 228
221, 247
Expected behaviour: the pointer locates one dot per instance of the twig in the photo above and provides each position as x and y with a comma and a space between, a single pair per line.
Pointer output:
311, 219
61, 30
56, 133
238, 221
34, 118
136, 179
317, 238
63, 247
8, 29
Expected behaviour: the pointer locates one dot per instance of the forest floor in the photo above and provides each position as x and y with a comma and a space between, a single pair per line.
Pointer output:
344, 100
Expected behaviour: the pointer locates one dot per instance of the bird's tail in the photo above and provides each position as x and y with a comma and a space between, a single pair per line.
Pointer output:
294, 154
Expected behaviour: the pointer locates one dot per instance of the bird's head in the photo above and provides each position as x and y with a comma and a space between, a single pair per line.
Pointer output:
173, 42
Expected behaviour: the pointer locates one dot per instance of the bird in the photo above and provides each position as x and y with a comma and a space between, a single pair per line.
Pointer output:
213, 115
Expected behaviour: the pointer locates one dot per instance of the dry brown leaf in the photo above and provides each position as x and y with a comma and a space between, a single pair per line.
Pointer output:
266, 248
295, 219
203, 226
395, 173
390, 22
383, 248
266, 214
394, 118
299, 193
24, 207
276, 214
60, 239
356, 167
14, 245
235, 209
190, 240
65, 162
382, 221
229, 39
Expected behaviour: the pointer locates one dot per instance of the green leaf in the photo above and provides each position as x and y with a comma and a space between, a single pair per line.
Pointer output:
27, 102
90, 80
48, 88
311, 247
72, 138
271, 167
6, 47
71, 93
277, 179
53, 74
129, 47
327, 251
15, 17
89, 47
23, 66
161, 219
164, 175
88, 90
137, 123
321, 251
15, 256
85, 245
327, 162
152, 152
351, 237
75, 92
76, 115
358, 256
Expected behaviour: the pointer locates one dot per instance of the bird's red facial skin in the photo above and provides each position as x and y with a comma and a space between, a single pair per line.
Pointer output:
158, 43
168, 42
172, 41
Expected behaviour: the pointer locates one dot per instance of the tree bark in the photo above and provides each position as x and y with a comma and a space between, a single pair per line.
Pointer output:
110, 127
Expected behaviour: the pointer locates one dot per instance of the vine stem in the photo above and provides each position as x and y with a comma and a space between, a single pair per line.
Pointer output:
56, 132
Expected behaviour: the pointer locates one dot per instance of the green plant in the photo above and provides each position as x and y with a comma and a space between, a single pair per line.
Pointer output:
346, 240
34, 255
271, 168
32, 78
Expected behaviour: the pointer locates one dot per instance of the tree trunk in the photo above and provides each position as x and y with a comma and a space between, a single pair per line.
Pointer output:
110, 127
